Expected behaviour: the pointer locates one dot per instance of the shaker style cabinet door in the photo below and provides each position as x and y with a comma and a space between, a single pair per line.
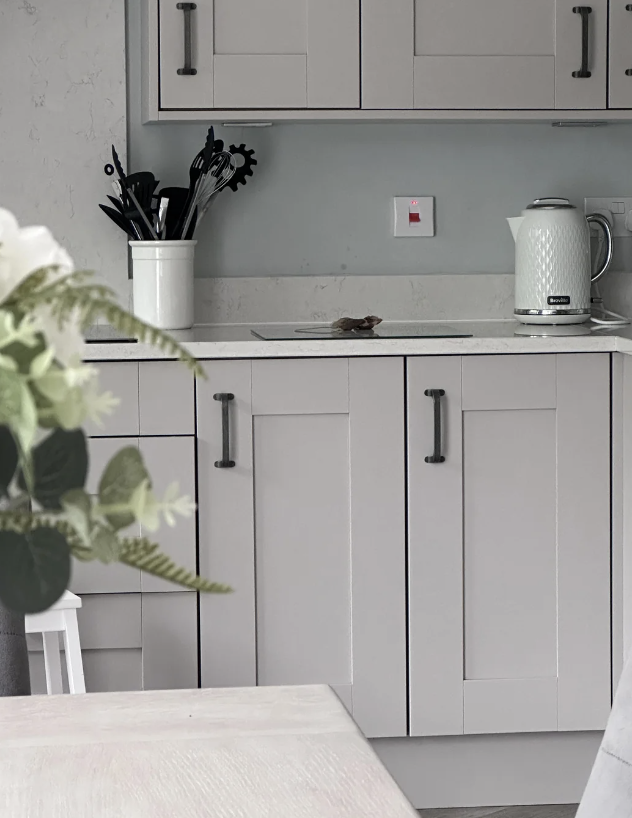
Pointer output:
620, 54
307, 526
483, 54
259, 54
509, 544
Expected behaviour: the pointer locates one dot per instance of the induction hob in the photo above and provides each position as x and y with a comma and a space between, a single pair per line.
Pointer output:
393, 329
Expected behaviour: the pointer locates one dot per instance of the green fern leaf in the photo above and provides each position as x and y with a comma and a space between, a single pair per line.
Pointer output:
141, 553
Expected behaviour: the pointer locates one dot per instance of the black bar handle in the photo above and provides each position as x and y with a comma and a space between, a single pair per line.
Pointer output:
187, 8
436, 395
628, 71
583, 72
225, 462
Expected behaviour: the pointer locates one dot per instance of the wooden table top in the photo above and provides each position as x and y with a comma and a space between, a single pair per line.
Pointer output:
278, 752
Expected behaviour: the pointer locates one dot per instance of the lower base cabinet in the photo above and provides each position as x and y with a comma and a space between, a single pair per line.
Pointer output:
509, 544
132, 642
308, 527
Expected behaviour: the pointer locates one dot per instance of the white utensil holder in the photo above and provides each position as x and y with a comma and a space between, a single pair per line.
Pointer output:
163, 282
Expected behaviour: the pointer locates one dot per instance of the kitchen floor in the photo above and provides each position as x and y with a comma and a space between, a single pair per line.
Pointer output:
560, 811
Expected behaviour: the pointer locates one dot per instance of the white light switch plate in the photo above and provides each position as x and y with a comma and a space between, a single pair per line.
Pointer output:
413, 216
618, 207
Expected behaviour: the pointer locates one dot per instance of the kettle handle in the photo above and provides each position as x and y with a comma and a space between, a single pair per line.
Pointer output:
604, 224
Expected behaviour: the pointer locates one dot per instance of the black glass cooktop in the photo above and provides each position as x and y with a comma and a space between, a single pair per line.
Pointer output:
323, 332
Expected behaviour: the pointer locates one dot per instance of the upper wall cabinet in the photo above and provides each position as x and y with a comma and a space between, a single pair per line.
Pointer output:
259, 54
484, 54
274, 60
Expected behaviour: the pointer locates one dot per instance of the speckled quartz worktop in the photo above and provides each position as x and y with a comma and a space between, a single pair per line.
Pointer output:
488, 338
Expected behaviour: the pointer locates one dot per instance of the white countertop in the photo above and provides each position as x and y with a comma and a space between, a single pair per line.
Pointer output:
488, 338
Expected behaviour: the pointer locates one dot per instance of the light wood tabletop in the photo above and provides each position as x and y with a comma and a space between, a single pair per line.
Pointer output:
287, 752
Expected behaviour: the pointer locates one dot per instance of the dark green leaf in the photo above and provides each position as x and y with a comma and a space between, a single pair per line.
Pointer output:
60, 464
8, 459
122, 476
34, 569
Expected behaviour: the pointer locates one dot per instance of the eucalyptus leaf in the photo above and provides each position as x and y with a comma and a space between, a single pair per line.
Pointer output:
78, 507
10, 396
60, 464
122, 476
8, 459
34, 569
105, 544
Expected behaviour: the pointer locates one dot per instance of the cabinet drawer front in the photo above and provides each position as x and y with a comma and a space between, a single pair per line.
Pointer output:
166, 399
122, 380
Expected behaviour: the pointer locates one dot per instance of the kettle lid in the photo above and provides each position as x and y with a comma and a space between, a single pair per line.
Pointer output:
551, 203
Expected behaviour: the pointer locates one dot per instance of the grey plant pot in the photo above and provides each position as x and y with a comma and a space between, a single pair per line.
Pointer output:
14, 659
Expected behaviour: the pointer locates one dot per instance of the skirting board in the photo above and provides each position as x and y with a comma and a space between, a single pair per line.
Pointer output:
494, 770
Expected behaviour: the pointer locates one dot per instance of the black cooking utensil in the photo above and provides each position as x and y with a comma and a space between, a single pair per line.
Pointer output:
244, 166
195, 171
119, 220
117, 204
143, 184
177, 201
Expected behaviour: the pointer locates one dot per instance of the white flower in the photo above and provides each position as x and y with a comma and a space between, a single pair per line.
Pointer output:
24, 250
98, 403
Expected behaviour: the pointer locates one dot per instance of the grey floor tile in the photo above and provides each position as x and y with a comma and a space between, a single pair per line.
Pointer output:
481, 812
564, 811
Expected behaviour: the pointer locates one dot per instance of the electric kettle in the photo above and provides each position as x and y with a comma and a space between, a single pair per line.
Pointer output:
553, 262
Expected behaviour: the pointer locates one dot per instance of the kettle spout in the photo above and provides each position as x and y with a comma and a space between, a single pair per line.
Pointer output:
514, 224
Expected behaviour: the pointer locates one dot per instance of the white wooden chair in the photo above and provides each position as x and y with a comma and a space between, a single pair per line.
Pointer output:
61, 618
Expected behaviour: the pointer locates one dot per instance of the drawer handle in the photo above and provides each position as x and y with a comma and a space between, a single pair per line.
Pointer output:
436, 395
187, 8
628, 71
225, 462
583, 72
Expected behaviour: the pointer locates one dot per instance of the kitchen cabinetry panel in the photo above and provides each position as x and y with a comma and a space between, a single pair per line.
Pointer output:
572, 92
509, 545
620, 56
307, 530
166, 399
122, 380
132, 642
261, 55
169, 459
487, 54
302, 469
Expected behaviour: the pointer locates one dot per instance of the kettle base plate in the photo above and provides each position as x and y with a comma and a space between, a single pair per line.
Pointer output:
533, 317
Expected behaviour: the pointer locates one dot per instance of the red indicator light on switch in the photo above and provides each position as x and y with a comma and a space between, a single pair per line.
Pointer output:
414, 202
